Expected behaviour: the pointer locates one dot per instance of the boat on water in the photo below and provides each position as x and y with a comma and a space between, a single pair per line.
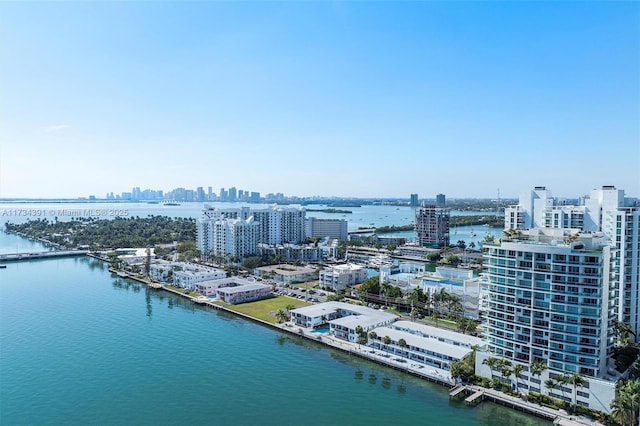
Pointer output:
171, 204
3, 266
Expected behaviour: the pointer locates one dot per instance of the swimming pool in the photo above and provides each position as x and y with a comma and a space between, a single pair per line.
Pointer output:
321, 330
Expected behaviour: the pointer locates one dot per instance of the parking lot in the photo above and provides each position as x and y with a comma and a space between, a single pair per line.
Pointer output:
311, 295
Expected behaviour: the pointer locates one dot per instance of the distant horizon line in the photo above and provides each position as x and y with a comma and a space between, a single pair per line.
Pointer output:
293, 198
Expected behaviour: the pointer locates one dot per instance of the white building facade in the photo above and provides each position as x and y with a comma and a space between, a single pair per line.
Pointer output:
553, 297
237, 232
605, 210
339, 277
333, 228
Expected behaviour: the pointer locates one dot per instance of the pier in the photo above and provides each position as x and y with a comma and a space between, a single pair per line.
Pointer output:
460, 389
475, 398
16, 257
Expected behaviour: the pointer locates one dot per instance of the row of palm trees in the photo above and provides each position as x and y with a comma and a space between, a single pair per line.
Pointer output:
536, 368
624, 409
574, 379
506, 369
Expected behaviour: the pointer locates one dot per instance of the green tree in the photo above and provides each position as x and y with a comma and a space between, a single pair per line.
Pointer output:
491, 362
371, 285
550, 384
537, 367
623, 332
516, 371
282, 316
577, 381
187, 251
362, 335
562, 380
434, 257
251, 262
386, 340
627, 402
402, 343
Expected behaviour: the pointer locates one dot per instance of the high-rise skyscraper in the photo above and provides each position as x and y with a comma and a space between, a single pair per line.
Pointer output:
551, 296
556, 284
413, 201
432, 226
441, 200
605, 210
273, 225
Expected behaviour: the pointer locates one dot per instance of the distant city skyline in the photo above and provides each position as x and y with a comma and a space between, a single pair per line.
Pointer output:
344, 99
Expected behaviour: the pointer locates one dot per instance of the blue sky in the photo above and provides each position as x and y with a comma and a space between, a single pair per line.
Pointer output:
365, 99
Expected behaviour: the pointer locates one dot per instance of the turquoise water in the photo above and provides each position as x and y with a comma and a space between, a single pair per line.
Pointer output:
360, 217
80, 346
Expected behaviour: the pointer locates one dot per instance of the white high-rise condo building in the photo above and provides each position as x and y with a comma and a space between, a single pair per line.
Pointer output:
552, 296
333, 228
238, 231
605, 210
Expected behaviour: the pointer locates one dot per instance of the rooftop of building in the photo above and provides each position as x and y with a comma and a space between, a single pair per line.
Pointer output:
320, 309
437, 333
287, 269
424, 343
243, 288
346, 267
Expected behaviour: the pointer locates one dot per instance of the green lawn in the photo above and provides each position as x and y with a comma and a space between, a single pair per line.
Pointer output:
266, 309
309, 285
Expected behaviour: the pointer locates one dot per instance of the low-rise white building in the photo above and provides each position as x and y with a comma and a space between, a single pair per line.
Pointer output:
135, 256
184, 275
287, 274
339, 277
244, 293
342, 318
424, 344
187, 275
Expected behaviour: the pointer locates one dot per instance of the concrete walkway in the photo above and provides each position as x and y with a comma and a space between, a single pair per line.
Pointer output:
559, 417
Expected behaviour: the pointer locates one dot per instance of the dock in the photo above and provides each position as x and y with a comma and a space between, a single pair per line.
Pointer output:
456, 391
475, 398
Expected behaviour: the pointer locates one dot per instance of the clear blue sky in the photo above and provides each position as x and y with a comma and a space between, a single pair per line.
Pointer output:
365, 99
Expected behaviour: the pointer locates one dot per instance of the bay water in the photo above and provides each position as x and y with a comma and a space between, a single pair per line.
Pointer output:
79, 345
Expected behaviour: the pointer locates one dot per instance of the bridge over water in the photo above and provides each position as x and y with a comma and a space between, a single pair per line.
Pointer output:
16, 257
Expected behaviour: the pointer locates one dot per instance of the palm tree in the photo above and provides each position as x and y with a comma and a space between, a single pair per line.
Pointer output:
402, 343
577, 381
621, 411
536, 368
625, 405
562, 380
517, 369
506, 372
362, 335
491, 362
550, 384
282, 316
623, 332
386, 340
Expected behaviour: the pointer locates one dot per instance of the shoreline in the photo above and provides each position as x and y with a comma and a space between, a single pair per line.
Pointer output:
377, 357
387, 360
